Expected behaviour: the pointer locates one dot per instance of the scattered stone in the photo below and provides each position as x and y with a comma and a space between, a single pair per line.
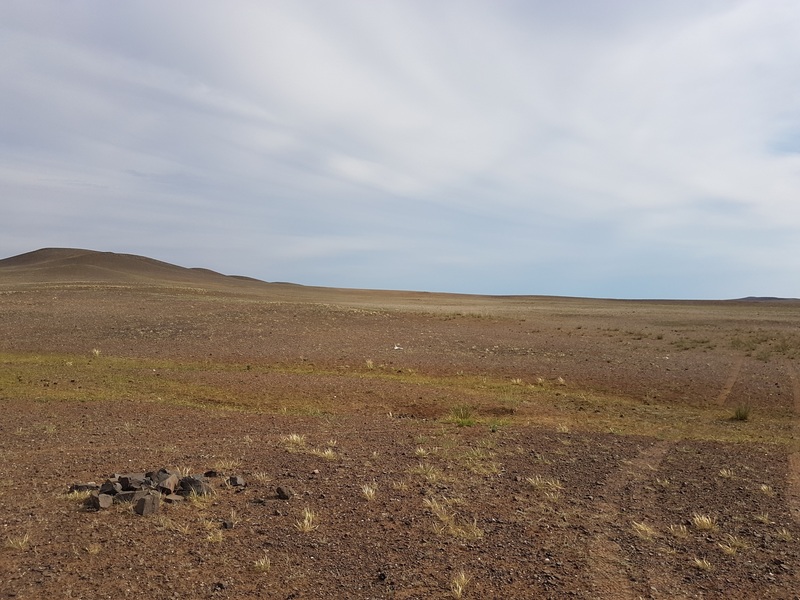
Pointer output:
168, 484
148, 504
211, 473
195, 485
284, 493
227, 524
100, 501
134, 481
124, 497
146, 490
162, 474
139, 494
110, 487
84, 487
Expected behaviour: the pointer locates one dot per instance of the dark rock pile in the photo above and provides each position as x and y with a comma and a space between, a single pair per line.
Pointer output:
146, 491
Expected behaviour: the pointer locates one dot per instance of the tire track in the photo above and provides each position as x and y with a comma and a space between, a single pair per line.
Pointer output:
794, 450
609, 569
722, 397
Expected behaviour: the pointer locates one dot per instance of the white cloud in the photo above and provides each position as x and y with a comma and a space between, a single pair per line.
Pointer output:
447, 136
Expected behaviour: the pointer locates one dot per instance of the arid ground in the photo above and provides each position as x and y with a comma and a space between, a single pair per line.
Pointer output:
437, 446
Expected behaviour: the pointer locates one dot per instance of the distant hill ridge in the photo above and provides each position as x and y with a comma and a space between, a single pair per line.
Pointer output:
74, 265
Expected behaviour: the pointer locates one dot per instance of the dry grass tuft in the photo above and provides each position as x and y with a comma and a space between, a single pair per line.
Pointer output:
262, 476
784, 535
262, 565
294, 441
732, 545
762, 518
726, 473
201, 500
309, 521
215, 537
545, 483
680, 532
167, 524
643, 530
368, 490
226, 466
459, 583
18, 542
428, 471
704, 522
78, 496
448, 521
400, 486
327, 453
702, 564
766, 490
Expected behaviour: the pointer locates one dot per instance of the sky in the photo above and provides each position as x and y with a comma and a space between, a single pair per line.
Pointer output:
619, 149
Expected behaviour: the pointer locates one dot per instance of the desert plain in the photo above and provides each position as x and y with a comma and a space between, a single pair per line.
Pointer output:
433, 445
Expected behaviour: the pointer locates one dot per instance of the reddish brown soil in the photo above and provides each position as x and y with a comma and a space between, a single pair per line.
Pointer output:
201, 371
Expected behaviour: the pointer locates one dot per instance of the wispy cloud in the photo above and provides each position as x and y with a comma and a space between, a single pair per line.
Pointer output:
608, 149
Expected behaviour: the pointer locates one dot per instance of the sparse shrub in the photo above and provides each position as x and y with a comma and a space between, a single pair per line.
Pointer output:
463, 416
742, 412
